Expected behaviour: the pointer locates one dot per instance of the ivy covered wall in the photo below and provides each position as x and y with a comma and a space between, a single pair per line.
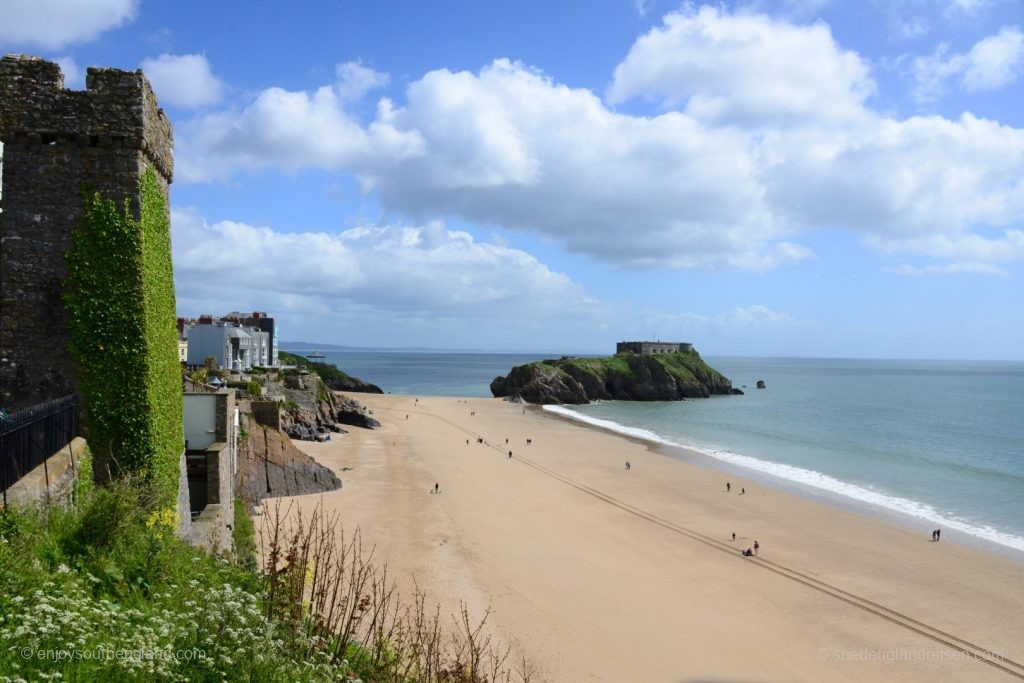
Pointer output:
119, 295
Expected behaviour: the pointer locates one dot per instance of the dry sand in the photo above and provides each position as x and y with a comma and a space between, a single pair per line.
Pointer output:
596, 573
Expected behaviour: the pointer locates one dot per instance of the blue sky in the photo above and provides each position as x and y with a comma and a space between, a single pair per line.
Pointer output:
800, 177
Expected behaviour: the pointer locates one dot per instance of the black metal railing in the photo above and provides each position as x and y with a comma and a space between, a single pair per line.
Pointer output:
28, 437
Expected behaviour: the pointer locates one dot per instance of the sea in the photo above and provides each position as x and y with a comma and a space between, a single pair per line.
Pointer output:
934, 444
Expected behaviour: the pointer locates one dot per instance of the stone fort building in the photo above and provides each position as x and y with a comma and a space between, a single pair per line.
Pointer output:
644, 348
56, 144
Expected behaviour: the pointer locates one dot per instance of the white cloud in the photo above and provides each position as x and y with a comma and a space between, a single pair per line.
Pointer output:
389, 270
949, 269
509, 147
355, 80
996, 61
992, 63
53, 24
971, 247
732, 181
745, 69
183, 80
74, 76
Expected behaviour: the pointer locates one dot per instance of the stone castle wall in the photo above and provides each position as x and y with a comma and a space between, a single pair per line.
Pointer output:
58, 144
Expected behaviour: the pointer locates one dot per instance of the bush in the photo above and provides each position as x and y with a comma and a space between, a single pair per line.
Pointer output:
243, 534
254, 388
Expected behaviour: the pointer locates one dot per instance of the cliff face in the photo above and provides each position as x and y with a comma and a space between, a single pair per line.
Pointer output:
626, 377
313, 410
269, 465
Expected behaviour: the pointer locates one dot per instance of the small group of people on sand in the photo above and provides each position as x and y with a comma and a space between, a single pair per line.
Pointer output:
937, 534
749, 552
728, 488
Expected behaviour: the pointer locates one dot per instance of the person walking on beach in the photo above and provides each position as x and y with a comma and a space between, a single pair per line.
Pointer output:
742, 491
934, 531
756, 546
728, 486
938, 534
437, 487
628, 465
734, 535
510, 454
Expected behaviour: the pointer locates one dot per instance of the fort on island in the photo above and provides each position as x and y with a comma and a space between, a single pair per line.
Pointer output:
649, 348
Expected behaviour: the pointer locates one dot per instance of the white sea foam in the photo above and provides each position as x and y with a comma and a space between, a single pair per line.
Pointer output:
810, 478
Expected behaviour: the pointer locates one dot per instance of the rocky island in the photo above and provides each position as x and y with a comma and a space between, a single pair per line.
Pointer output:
639, 371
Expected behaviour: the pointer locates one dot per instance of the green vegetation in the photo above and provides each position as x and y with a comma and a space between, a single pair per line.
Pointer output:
119, 294
243, 535
601, 366
254, 388
327, 372
106, 577
686, 365
109, 574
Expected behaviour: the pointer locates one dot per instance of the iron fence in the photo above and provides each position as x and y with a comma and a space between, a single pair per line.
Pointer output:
28, 437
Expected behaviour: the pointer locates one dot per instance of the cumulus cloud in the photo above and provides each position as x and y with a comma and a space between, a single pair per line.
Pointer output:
509, 147
356, 80
745, 69
183, 80
771, 137
53, 24
992, 63
389, 269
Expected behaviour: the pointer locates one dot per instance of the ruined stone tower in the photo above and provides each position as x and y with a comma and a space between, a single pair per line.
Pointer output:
57, 144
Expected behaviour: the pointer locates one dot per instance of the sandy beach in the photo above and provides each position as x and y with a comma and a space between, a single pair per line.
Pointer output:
599, 573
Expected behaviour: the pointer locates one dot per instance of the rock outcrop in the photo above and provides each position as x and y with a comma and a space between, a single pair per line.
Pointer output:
349, 412
623, 377
269, 465
760, 384
348, 383
311, 410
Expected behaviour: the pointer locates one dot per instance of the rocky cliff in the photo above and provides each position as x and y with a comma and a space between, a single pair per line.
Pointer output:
311, 410
624, 377
269, 465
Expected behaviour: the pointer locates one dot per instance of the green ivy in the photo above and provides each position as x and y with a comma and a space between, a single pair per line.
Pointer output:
119, 294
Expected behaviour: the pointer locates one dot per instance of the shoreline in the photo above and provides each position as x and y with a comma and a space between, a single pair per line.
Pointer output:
699, 457
596, 573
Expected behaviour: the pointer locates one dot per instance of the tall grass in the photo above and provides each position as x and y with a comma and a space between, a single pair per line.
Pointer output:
103, 589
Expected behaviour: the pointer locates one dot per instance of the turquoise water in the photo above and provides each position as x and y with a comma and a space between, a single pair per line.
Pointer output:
937, 440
